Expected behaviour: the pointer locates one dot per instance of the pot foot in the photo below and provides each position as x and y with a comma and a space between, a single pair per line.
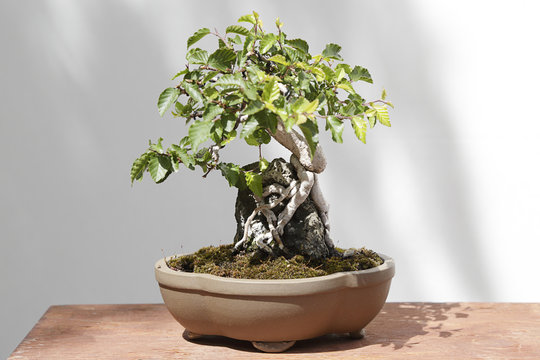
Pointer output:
273, 347
358, 334
188, 335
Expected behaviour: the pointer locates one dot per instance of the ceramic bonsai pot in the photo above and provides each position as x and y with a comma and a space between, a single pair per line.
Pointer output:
273, 314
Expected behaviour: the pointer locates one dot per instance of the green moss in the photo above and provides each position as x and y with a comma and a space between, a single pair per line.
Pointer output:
222, 261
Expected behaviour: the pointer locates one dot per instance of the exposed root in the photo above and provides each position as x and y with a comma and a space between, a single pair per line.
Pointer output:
262, 207
259, 240
307, 179
273, 189
271, 219
298, 192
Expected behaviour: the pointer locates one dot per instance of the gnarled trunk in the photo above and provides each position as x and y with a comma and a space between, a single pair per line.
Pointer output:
289, 220
292, 216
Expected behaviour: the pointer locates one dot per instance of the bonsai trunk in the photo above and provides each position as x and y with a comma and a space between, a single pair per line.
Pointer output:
292, 216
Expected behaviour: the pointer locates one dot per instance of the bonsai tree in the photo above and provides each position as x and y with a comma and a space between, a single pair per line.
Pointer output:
256, 87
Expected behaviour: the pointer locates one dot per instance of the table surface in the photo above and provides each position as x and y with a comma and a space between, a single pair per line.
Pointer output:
400, 331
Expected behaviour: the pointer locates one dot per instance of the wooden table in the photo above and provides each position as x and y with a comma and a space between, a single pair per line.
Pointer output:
400, 331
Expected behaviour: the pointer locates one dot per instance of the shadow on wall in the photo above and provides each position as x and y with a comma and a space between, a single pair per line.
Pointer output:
409, 182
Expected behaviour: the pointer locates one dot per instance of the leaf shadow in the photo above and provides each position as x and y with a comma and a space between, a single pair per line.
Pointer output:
402, 325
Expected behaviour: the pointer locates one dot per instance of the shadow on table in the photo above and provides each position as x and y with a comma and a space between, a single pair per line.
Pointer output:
403, 324
397, 325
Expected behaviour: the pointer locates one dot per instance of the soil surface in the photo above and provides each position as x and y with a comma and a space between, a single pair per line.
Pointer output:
226, 262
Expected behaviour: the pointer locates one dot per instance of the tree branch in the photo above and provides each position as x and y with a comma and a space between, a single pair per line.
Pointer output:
297, 144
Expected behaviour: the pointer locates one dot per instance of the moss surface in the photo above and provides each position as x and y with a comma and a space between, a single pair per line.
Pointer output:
223, 261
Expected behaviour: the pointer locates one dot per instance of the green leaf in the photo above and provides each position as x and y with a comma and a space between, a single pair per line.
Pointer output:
222, 44
236, 40
267, 120
183, 155
319, 73
203, 158
267, 42
289, 122
193, 91
345, 85
336, 127
211, 112
260, 136
383, 94
372, 118
360, 73
271, 91
332, 52
139, 166
185, 71
348, 109
249, 127
228, 121
237, 29
359, 126
382, 115
299, 44
166, 99
157, 147
210, 93
199, 132
294, 55
312, 106
174, 163
254, 107
250, 91
255, 74
328, 72
247, 18
300, 104
340, 74
216, 132
222, 59
197, 56
232, 173
311, 133
230, 80
198, 35
280, 59
159, 167
372, 121
254, 183
345, 67
303, 80
230, 136
263, 164
209, 76
282, 113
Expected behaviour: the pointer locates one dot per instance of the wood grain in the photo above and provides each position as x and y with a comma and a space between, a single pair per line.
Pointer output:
401, 331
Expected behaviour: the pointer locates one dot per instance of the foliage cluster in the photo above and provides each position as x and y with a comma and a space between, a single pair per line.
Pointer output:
252, 82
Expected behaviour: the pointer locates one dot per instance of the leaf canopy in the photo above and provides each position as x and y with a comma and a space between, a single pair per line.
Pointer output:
252, 82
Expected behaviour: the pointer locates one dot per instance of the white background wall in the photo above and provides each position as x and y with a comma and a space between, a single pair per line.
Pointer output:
451, 191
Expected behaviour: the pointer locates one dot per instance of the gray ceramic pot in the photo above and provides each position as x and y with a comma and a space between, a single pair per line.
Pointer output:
275, 313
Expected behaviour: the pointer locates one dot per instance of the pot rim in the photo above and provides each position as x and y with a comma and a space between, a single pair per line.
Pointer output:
184, 281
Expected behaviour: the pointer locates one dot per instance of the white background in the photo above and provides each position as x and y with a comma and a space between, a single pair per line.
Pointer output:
451, 191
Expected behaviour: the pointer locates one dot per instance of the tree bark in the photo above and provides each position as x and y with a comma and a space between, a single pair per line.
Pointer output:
297, 144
